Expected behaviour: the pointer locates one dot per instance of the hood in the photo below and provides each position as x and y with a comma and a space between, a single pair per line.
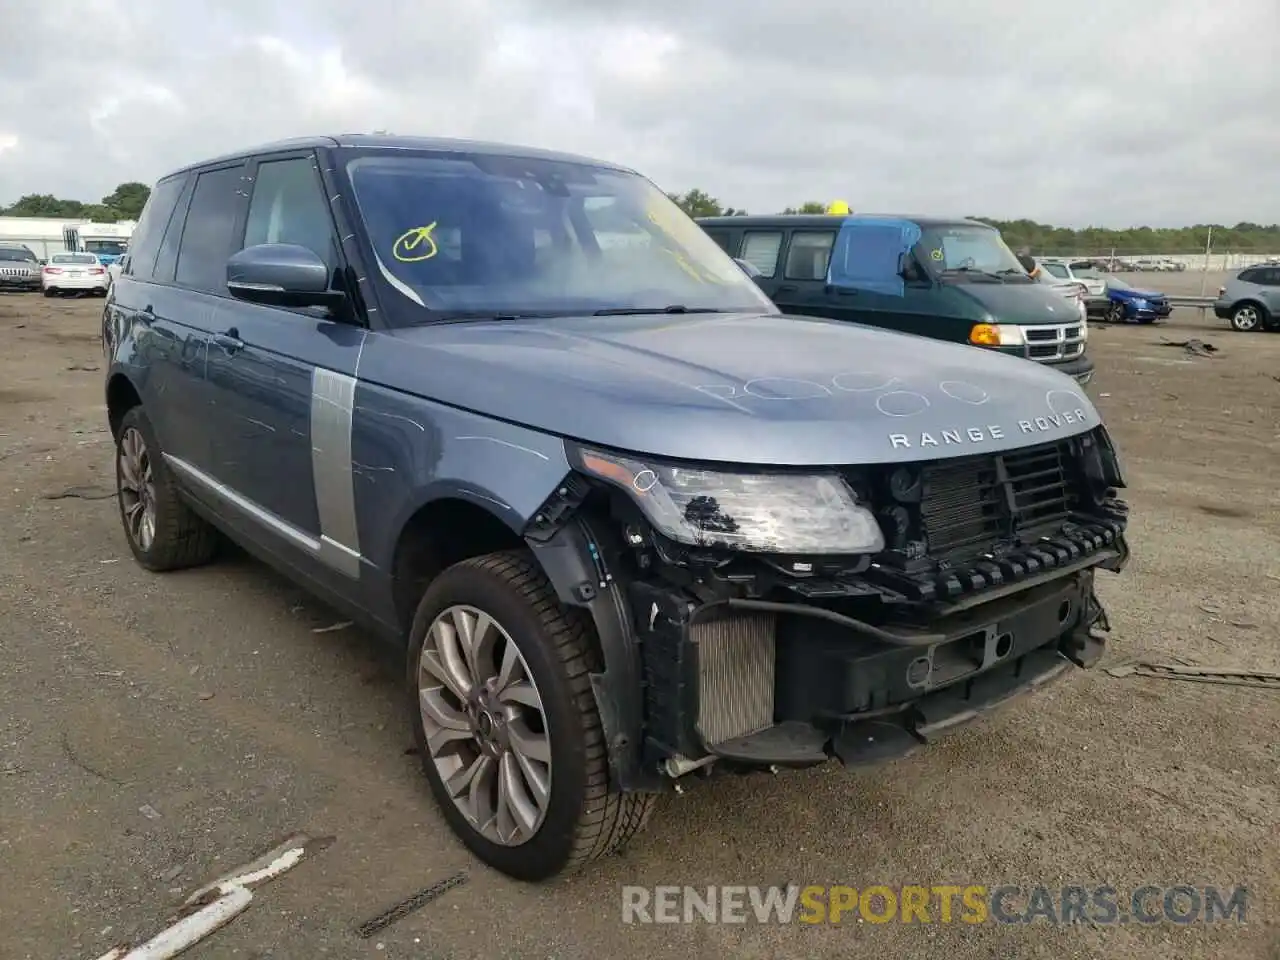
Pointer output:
763, 389
1026, 303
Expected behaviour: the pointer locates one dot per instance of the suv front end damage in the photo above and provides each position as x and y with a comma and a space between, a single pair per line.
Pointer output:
785, 618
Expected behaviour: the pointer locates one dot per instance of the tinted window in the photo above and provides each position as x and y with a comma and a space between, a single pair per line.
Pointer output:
206, 237
16, 253
1250, 276
761, 251
481, 233
80, 258
1269, 277
167, 258
151, 227
107, 248
289, 206
809, 255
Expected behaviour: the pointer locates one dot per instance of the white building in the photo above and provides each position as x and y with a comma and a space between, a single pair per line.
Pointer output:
46, 236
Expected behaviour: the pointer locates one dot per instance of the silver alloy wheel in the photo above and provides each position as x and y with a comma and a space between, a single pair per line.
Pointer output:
137, 489
486, 730
1245, 319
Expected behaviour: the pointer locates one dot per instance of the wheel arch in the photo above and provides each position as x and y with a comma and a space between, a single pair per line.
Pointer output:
456, 523
121, 396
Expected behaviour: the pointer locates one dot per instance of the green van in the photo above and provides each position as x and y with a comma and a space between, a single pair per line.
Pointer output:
949, 279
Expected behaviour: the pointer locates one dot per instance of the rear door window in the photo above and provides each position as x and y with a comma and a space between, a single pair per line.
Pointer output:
1057, 269
207, 235
809, 255
760, 249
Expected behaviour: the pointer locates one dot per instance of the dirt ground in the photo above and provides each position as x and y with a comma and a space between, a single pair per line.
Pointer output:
159, 730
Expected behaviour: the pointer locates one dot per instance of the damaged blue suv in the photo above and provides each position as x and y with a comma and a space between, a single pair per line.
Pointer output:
630, 525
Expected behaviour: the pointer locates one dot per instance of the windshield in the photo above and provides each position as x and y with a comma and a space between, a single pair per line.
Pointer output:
83, 258
1116, 284
108, 248
962, 247
481, 234
16, 253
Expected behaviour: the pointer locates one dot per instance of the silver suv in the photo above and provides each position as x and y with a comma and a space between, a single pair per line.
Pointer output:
1251, 299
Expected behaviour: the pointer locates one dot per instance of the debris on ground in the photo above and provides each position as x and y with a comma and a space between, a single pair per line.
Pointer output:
150, 812
407, 906
1256, 679
216, 904
80, 493
1194, 347
332, 628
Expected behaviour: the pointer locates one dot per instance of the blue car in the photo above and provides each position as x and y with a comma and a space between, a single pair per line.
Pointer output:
1126, 303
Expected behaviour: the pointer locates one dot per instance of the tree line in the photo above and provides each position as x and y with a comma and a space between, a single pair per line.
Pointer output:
1049, 240
125, 202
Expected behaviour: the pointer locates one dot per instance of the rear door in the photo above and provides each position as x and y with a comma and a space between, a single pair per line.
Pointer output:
166, 359
1268, 282
191, 266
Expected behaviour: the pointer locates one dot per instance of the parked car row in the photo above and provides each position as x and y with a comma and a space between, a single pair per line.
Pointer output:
1120, 264
628, 523
20, 269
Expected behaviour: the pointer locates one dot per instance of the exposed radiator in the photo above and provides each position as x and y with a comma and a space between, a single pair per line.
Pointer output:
737, 658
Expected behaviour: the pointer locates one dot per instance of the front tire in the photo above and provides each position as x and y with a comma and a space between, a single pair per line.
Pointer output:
163, 532
1115, 313
1246, 318
506, 721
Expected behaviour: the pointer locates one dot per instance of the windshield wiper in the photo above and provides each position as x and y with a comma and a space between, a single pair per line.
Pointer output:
974, 271
637, 311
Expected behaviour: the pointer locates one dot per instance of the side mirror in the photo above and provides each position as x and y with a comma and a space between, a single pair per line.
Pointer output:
748, 268
280, 275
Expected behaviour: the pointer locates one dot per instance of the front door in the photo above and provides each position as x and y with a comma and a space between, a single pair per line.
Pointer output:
285, 381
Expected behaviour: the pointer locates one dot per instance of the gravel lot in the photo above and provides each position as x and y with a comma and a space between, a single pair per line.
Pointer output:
157, 731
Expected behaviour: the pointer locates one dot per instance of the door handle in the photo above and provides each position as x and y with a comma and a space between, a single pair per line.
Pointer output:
229, 341
147, 314
787, 288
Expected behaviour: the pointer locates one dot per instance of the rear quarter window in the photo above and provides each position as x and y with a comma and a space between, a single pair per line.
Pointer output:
145, 242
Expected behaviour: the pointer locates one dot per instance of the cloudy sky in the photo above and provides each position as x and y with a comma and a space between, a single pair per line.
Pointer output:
1115, 113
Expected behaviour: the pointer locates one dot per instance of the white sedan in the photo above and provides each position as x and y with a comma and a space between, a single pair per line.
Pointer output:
74, 273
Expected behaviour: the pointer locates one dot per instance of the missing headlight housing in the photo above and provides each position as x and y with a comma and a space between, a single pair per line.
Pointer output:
762, 512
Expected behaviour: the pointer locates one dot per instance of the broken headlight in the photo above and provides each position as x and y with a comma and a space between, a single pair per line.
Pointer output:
760, 512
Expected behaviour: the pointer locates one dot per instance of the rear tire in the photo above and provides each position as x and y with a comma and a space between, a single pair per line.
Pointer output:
575, 817
163, 532
49, 291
